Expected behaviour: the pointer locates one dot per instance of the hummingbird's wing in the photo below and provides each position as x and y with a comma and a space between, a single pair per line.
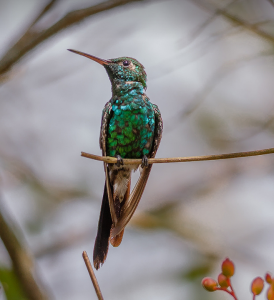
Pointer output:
132, 202
106, 116
107, 214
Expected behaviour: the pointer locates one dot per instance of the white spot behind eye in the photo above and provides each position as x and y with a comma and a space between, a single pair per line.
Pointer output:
131, 66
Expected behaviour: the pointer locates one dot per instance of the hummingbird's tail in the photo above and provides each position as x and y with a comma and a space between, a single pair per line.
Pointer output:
104, 225
104, 228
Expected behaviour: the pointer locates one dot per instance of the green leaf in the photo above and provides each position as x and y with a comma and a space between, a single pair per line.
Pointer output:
10, 285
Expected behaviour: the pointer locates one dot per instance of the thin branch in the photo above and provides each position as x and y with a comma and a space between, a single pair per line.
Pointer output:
210, 85
199, 29
15, 52
235, 20
194, 104
42, 13
113, 160
271, 2
92, 276
31, 39
22, 261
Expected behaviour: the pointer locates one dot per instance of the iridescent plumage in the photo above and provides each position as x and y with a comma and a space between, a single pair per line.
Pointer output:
131, 128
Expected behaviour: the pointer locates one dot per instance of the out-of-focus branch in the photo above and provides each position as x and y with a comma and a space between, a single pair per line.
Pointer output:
271, 2
113, 160
219, 75
235, 20
197, 31
260, 128
22, 261
32, 38
42, 13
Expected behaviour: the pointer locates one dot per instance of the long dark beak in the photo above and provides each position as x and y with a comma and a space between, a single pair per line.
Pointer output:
99, 60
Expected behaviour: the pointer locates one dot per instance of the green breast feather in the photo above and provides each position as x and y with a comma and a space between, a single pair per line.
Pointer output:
131, 128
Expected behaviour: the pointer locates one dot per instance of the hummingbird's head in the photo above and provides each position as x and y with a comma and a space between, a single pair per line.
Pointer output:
120, 70
126, 69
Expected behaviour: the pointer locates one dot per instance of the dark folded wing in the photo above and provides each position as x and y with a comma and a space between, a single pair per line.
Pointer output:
132, 202
106, 116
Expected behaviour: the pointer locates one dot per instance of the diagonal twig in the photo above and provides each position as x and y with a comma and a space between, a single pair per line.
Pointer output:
22, 261
197, 31
92, 276
235, 20
126, 161
31, 39
42, 13
210, 85
271, 2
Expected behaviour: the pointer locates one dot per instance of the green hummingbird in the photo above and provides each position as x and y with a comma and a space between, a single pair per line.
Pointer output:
131, 127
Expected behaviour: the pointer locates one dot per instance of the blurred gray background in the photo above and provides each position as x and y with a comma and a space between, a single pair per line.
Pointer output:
211, 72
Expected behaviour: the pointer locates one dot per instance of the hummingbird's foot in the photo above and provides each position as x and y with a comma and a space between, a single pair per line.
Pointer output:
120, 161
144, 161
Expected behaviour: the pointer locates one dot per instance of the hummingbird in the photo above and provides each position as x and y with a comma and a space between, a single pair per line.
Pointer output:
131, 127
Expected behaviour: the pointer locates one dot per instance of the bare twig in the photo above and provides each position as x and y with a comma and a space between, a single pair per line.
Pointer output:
31, 39
217, 77
43, 12
92, 276
271, 2
113, 160
235, 20
198, 30
17, 50
22, 261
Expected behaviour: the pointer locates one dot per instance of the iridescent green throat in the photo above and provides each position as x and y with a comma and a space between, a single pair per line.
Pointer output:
131, 126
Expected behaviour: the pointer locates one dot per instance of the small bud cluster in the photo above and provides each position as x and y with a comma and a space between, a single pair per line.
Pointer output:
224, 283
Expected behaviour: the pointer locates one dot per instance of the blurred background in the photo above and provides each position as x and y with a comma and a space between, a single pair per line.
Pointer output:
210, 70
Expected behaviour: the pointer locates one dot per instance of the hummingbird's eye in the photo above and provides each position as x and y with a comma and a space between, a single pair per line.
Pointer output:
126, 63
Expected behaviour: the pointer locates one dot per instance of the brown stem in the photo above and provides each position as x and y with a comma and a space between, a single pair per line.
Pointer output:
126, 161
22, 261
92, 276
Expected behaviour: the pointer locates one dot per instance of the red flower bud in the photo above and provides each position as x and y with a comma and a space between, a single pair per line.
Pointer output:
209, 284
268, 278
270, 293
228, 268
223, 281
257, 286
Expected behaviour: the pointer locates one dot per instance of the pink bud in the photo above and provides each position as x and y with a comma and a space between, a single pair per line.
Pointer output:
209, 284
268, 278
223, 281
257, 286
228, 267
270, 294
